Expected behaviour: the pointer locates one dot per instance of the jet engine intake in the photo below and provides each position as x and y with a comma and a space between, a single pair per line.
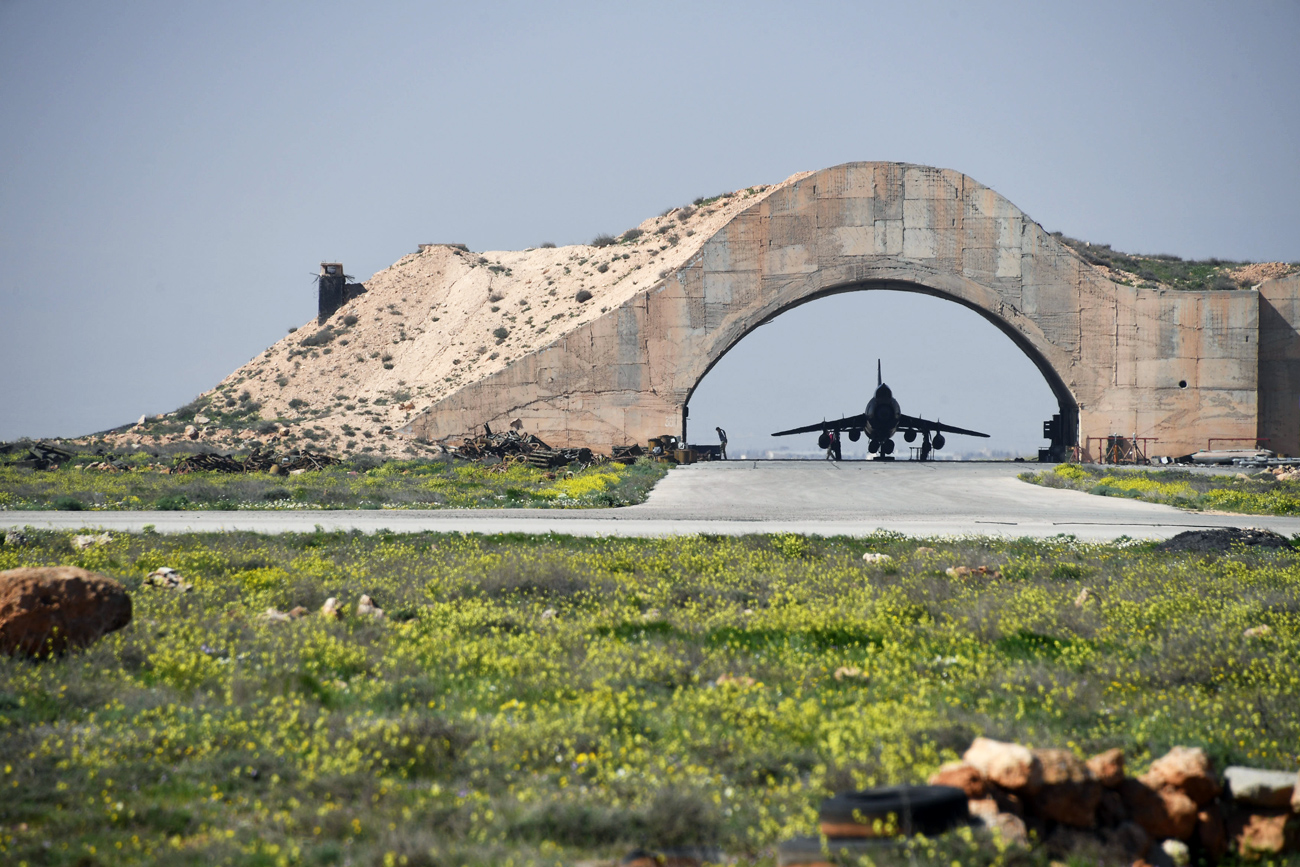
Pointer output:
855, 435
910, 436
824, 441
938, 441
887, 447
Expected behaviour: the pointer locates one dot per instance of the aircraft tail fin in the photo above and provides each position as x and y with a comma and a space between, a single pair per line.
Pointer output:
879, 378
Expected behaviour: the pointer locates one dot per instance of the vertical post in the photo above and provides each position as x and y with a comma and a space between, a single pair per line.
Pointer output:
330, 297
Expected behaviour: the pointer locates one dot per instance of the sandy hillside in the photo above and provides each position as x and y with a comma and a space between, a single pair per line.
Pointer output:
435, 321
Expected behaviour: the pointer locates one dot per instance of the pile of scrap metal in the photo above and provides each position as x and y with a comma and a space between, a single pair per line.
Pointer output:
256, 462
40, 456
516, 447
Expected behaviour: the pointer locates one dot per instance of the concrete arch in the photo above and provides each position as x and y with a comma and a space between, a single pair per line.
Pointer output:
1033, 350
1178, 366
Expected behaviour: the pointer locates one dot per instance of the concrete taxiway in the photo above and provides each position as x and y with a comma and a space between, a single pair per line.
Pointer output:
854, 498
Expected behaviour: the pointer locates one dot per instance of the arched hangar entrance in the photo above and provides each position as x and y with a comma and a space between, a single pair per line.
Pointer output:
815, 359
1177, 366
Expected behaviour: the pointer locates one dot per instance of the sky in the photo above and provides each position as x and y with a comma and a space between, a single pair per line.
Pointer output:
173, 173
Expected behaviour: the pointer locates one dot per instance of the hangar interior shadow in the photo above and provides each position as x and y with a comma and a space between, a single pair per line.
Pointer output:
943, 359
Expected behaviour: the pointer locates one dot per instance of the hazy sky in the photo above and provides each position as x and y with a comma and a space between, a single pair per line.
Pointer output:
173, 173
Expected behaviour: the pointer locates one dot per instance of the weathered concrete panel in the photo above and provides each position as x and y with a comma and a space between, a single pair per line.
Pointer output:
1179, 366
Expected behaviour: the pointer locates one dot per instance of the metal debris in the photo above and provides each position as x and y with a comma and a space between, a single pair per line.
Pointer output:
256, 462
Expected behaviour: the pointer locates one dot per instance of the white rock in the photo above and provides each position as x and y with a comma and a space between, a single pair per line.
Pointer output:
873, 557
366, 607
1260, 787
90, 540
201, 419
332, 609
1178, 852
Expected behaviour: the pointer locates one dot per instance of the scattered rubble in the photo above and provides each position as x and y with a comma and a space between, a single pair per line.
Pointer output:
256, 462
512, 446
167, 578
90, 540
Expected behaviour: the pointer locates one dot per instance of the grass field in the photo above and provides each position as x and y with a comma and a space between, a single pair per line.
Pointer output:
418, 484
1258, 494
550, 699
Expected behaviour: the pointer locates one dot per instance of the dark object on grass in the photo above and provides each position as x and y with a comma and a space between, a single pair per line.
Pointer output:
68, 504
46, 610
515, 445
891, 811
256, 462
42, 456
1223, 539
583, 295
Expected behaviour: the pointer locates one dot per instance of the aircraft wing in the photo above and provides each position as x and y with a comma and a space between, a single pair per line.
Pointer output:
847, 423
906, 422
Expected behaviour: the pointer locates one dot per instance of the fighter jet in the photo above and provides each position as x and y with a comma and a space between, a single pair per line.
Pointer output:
880, 422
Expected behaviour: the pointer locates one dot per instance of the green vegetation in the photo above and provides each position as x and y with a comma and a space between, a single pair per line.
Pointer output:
549, 699
1258, 494
1162, 268
418, 484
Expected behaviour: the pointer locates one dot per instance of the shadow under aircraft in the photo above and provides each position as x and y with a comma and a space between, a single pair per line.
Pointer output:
880, 422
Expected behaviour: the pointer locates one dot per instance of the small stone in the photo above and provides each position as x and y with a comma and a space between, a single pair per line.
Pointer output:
548, 614
742, 681
191, 432
873, 557
1009, 828
201, 419
924, 551
50, 609
1108, 768
15, 538
298, 612
366, 607
271, 615
849, 672
332, 609
1264, 832
1178, 852
1011, 766
1082, 599
1260, 788
1187, 769
1257, 631
962, 776
90, 540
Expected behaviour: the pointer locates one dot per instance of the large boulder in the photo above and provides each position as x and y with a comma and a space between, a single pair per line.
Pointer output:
1187, 769
1162, 813
1263, 833
1108, 768
49, 609
1069, 794
962, 776
1010, 766
1260, 788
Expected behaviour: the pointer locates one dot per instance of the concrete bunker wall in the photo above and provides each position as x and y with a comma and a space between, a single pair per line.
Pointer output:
1178, 366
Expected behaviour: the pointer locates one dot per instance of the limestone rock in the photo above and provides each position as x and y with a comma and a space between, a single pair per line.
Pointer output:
273, 615
1162, 813
1061, 766
1257, 631
49, 609
1264, 832
191, 432
15, 538
1260, 788
1011, 766
1073, 804
1009, 827
90, 540
1187, 769
1108, 768
873, 557
298, 612
332, 609
962, 776
366, 607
